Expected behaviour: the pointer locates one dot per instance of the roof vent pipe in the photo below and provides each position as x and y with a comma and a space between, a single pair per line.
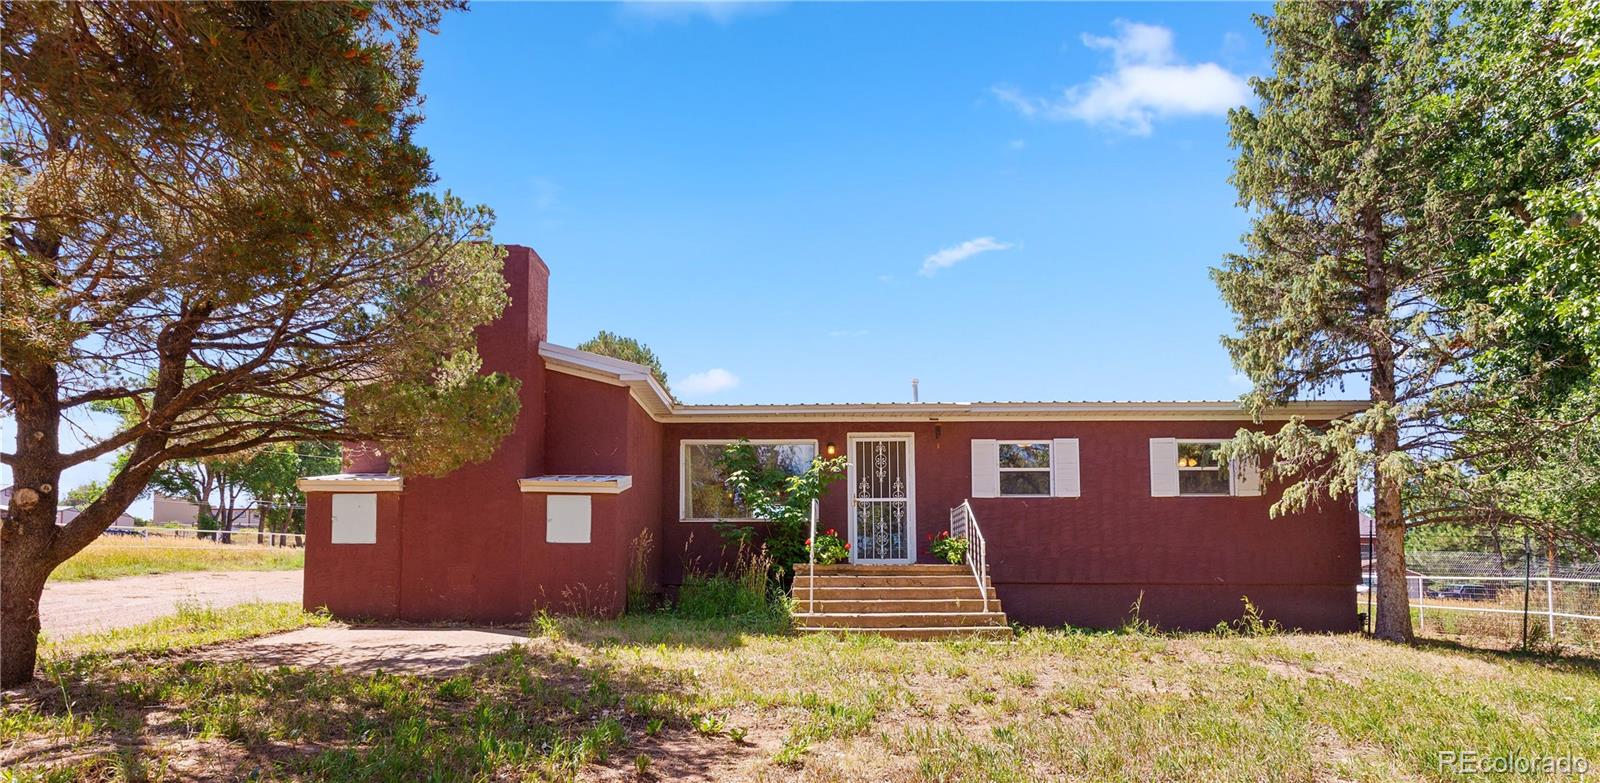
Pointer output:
914, 390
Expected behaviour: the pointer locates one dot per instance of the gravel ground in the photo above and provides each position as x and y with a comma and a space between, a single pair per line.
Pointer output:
71, 608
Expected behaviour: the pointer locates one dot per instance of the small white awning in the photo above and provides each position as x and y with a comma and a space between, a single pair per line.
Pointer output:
352, 482
577, 484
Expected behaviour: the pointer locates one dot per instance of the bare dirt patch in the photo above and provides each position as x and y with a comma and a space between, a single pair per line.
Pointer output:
403, 650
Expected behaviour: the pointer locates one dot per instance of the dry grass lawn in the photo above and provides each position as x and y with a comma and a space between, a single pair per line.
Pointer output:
109, 558
661, 698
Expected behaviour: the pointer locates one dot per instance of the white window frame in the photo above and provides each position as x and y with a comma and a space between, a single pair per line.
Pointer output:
1049, 470
1225, 467
683, 468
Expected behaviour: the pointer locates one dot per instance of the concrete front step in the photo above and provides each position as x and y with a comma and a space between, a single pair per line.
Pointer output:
898, 619
902, 606
922, 633
925, 601
908, 580
877, 569
824, 592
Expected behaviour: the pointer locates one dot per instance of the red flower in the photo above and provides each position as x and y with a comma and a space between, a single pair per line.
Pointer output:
831, 532
847, 545
808, 542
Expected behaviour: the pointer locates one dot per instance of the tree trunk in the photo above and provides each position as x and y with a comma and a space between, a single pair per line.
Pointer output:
29, 533
22, 577
1394, 603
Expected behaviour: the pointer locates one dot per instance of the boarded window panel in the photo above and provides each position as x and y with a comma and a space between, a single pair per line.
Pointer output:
355, 518
568, 519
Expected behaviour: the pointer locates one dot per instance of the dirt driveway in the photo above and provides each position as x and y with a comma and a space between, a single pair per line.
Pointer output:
70, 608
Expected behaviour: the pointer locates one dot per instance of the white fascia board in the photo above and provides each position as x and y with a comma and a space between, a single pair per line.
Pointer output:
637, 377
655, 401
352, 482
1066, 411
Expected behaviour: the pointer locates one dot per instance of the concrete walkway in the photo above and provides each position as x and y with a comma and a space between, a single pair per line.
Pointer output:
70, 608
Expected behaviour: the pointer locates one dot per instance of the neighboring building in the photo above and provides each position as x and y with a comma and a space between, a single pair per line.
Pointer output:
1087, 507
167, 510
65, 514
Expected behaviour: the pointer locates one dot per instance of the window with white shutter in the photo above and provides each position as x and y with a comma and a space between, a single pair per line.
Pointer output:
1065, 465
985, 468
1246, 477
1163, 467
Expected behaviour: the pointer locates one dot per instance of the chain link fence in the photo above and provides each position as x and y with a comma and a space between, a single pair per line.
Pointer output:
1520, 599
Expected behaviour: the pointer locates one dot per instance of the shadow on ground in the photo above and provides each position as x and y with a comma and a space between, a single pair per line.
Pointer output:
374, 703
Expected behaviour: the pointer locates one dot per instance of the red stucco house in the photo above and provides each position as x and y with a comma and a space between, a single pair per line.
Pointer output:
1085, 506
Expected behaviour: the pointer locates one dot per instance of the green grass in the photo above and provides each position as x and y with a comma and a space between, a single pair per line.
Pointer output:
112, 558
745, 699
193, 626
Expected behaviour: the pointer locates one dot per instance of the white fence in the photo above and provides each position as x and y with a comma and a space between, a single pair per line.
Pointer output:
1544, 599
188, 537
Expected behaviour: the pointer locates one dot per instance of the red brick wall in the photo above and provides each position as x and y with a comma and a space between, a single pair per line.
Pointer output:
471, 546
1085, 560
353, 580
460, 538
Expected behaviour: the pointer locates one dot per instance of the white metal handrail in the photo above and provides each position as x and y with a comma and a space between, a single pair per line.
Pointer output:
964, 524
811, 554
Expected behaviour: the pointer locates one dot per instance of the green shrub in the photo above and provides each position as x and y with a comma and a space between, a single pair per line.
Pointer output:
741, 590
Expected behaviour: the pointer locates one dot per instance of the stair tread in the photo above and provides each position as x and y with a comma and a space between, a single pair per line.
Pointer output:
896, 614
944, 630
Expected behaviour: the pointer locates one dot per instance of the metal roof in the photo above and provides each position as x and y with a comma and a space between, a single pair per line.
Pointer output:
655, 401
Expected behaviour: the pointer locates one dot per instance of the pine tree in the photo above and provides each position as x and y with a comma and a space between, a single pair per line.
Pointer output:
216, 219
1336, 280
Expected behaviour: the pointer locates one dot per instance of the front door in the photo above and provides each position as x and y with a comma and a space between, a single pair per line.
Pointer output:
883, 524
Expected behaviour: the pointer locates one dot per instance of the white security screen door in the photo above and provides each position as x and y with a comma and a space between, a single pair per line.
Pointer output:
883, 524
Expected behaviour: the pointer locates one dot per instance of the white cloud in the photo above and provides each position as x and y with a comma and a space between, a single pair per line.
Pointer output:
1017, 144
955, 254
1148, 81
711, 381
722, 12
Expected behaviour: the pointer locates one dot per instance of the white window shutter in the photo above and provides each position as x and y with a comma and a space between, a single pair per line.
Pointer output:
1163, 467
1246, 478
985, 469
1064, 464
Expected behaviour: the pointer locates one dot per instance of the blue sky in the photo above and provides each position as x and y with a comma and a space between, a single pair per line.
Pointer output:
814, 202
754, 191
